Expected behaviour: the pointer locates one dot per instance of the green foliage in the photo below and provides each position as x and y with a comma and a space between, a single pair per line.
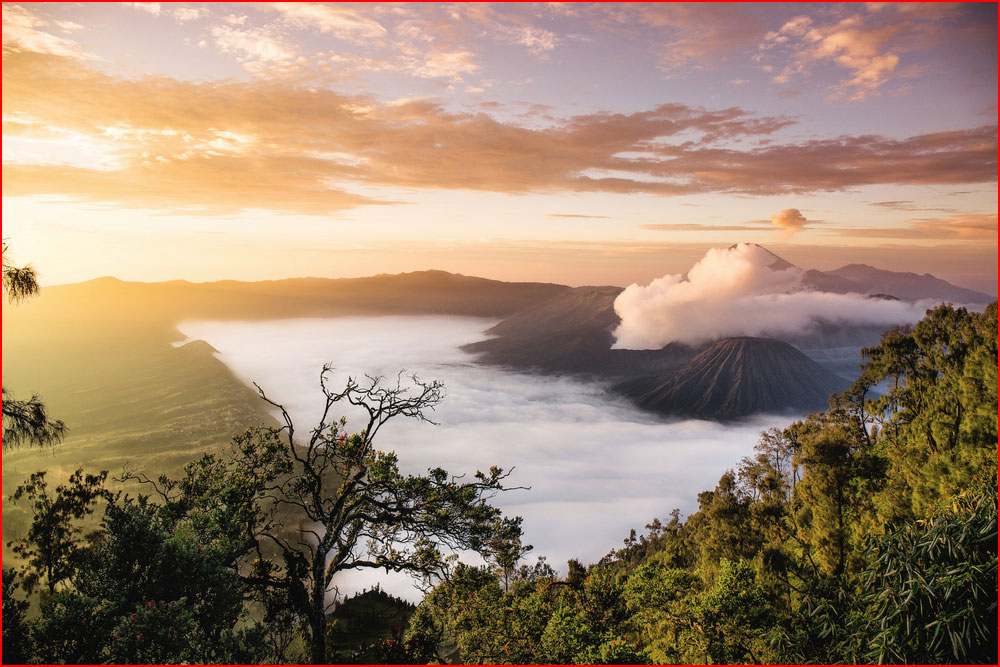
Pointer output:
566, 638
613, 650
733, 615
28, 423
72, 628
149, 555
368, 628
930, 595
156, 633
849, 537
16, 640
840, 474
53, 547
936, 425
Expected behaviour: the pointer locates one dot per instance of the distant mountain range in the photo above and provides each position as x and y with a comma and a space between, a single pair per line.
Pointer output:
544, 328
572, 332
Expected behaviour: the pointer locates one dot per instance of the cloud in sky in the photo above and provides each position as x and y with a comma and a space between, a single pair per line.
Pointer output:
153, 8
872, 44
790, 220
302, 148
749, 226
968, 227
337, 19
23, 32
500, 23
907, 205
735, 292
849, 43
701, 34
255, 47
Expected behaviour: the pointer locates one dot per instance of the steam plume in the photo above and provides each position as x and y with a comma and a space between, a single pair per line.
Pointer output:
735, 292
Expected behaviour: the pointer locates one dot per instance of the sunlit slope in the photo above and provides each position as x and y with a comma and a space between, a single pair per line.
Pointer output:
128, 399
100, 355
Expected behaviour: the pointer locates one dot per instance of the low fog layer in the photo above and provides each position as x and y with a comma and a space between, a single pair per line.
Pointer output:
734, 292
597, 467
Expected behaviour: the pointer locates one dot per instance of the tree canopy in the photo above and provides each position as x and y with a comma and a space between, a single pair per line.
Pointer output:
865, 533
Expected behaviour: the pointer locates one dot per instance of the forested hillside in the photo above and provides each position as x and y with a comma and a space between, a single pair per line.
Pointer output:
866, 533
863, 534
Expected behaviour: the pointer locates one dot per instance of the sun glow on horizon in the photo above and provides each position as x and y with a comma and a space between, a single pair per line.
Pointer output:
578, 144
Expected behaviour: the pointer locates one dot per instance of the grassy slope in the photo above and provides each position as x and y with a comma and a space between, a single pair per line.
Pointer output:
134, 400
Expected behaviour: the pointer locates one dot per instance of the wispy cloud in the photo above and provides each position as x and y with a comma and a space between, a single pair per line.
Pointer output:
23, 32
507, 24
336, 19
185, 14
704, 35
749, 226
870, 44
445, 64
906, 205
153, 8
180, 150
968, 226
255, 47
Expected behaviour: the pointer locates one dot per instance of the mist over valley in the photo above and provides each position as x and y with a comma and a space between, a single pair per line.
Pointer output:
596, 465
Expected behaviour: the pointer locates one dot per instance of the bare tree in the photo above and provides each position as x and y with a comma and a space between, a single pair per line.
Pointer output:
358, 510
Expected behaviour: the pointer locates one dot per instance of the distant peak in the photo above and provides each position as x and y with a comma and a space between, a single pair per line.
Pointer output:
779, 263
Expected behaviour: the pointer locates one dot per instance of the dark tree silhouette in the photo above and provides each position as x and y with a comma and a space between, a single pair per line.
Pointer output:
19, 282
364, 513
25, 422
53, 545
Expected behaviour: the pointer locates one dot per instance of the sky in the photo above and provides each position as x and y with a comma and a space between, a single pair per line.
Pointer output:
563, 142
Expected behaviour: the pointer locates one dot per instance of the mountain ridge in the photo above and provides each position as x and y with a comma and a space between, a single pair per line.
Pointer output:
542, 327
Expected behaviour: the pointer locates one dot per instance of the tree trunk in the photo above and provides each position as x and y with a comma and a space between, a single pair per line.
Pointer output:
317, 616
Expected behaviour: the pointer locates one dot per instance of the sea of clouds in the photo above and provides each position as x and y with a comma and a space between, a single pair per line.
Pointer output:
597, 466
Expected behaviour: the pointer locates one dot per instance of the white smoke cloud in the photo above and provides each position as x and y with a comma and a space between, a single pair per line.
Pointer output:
734, 292
791, 220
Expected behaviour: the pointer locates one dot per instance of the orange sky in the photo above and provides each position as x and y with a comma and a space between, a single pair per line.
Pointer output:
564, 142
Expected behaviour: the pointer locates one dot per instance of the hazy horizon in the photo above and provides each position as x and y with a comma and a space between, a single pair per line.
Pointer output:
985, 286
